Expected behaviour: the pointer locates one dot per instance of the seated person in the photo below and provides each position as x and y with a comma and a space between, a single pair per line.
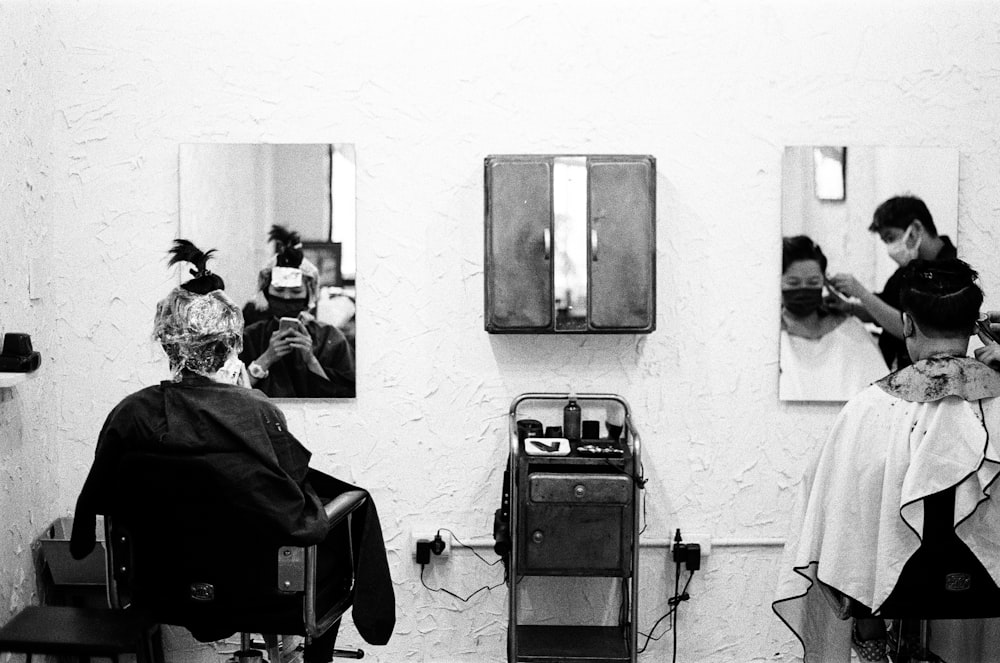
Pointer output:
825, 355
202, 410
291, 354
926, 428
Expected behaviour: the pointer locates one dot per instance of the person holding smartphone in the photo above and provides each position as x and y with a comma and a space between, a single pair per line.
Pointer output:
290, 354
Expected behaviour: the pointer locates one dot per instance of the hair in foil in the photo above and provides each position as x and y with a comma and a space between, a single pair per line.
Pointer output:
198, 332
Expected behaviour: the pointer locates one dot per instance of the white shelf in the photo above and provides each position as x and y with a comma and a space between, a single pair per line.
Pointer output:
11, 379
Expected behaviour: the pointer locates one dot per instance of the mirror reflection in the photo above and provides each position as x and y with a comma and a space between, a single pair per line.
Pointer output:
569, 207
282, 220
850, 218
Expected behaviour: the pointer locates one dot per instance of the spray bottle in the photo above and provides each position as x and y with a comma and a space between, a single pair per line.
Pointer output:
571, 419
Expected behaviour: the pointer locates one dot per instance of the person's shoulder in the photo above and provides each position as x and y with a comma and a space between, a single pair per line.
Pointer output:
328, 331
144, 395
871, 398
255, 326
137, 403
237, 393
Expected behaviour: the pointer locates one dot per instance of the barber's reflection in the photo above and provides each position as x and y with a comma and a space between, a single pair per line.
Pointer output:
825, 354
289, 353
906, 228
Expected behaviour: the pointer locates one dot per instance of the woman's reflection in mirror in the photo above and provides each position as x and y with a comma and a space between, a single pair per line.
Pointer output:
906, 227
825, 354
289, 353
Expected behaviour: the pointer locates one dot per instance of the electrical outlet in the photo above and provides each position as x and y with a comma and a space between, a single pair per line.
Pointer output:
703, 540
427, 534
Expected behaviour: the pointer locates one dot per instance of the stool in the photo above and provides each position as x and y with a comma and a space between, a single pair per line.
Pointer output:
82, 632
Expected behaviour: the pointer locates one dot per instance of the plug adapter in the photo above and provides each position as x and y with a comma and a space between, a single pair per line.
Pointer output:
692, 556
423, 551
437, 545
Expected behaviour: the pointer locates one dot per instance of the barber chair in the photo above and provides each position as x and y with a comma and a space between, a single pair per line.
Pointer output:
183, 551
942, 580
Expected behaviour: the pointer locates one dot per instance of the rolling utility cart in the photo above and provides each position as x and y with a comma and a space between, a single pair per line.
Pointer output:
574, 512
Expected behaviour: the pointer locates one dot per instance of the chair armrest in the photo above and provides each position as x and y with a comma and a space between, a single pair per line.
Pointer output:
344, 505
338, 510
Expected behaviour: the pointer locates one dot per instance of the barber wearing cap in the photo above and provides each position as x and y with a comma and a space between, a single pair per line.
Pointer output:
290, 354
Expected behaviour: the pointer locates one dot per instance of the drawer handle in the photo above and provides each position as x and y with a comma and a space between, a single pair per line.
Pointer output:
579, 490
537, 536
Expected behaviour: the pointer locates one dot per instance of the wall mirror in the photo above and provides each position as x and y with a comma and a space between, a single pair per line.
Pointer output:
231, 196
570, 244
829, 195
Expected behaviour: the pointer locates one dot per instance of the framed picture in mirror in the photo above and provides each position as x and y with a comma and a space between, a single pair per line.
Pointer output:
850, 217
282, 220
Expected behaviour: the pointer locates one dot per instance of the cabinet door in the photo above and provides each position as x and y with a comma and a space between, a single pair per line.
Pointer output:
518, 267
622, 243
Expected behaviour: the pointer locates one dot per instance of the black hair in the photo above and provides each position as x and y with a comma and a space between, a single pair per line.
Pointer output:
287, 246
941, 295
204, 281
900, 212
798, 248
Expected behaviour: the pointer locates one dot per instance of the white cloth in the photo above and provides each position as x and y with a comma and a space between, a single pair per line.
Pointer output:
832, 368
859, 514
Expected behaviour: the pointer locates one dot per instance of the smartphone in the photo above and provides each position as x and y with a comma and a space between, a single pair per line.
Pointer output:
289, 323
984, 331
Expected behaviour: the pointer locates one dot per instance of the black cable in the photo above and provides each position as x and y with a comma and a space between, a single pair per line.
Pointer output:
677, 584
483, 559
451, 593
673, 602
465, 545
639, 479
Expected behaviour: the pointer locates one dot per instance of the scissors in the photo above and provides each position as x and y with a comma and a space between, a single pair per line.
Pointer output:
983, 330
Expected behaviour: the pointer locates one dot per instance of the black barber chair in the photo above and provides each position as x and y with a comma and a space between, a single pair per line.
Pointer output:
942, 580
185, 553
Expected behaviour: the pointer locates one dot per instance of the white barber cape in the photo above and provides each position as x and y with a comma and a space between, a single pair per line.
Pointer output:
859, 511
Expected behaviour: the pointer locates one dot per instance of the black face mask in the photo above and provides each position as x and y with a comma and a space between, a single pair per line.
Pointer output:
800, 302
285, 308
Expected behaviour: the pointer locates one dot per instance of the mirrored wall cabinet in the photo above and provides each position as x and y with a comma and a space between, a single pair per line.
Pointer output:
570, 244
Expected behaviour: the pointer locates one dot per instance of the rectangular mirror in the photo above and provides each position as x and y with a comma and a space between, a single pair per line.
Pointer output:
231, 198
831, 347
570, 243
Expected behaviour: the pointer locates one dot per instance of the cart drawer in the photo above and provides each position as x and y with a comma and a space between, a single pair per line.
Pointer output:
568, 488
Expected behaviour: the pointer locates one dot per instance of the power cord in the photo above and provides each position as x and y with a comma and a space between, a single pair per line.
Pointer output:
473, 550
673, 602
423, 566
453, 594
690, 556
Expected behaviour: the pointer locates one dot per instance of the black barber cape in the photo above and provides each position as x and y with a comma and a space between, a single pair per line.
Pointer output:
198, 414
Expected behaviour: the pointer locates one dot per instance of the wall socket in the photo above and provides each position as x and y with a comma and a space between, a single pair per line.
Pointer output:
427, 534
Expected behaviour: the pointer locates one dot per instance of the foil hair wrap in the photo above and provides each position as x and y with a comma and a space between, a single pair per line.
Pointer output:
286, 277
199, 333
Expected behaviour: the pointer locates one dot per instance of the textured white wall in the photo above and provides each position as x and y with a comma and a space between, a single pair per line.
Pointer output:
714, 90
29, 443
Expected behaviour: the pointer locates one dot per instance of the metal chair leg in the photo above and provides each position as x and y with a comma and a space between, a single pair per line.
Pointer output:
273, 644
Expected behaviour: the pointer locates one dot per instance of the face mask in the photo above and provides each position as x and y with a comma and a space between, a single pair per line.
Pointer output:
801, 302
900, 252
286, 308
